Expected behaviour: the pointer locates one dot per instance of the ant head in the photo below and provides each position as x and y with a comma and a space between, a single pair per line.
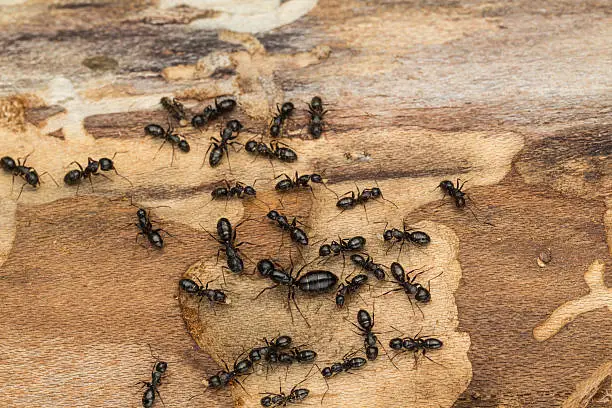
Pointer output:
248, 190
396, 343
376, 192
265, 267
198, 121
388, 235
316, 178
141, 213
234, 125
446, 185
106, 164
398, 272
287, 108
31, 177
225, 133
72, 177
7, 163
273, 215
184, 146
316, 103
161, 366
358, 259
251, 146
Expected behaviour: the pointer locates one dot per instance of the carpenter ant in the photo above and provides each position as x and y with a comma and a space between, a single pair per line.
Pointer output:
148, 398
348, 363
227, 239
288, 184
368, 265
409, 286
347, 203
295, 396
220, 146
345, 245
349, 287
315, 108
93, 166
29, 174
272, 348
211, 113
415, 344
315, 281
419, 238
169, 136
213, 295
284, 154
174, 109
238, 190
458, 195
296, 233
277, 122
227, 377
366, 324
146, 229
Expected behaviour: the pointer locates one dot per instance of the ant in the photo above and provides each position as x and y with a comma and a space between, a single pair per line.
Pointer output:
220, 146
349, 287
227, 377
347, 203
296, 233
169, 136
295, 396
227, 239
29, 174
419, 238
272, 348
315, 108
415, 344
366, 324
345, 245
348, 363
148, 398
315, 281
212, 113
288, 184
93, 166
174, 109
213, 295
368, 265
277, 122
408, 285
284, 154
238, 190
458, 195
146, 229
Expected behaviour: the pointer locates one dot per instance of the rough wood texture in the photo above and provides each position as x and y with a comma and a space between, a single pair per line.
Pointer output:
513, 96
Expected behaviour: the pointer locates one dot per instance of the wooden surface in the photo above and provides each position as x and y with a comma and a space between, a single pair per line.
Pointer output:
512, 96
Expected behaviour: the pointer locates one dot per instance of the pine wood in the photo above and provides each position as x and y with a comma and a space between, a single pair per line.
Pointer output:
512, 96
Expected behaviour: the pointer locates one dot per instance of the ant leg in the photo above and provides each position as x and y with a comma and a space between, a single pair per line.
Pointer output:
390, 291
264, 289
435, 362
21, 191
160, 147
298, 309
91, 183
366, 213
123, 177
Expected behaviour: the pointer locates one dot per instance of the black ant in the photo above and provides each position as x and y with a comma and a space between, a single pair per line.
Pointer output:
345, 245
415, 344
315, 281
348, 363
270, 351
419, 238
226, 377
29, 174
315, 108
409, 286
148, 398
277, 122
238, 190
169, 136
284, 154
347, 203
93, 166
227, 239
368, 265
220, 146
296, 233
213, 295
458, 195
366, 324
349, 287
295, 396
146, 229
288, 184
211, 113
174, 109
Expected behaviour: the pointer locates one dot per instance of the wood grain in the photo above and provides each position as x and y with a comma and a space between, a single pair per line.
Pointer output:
512, 96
